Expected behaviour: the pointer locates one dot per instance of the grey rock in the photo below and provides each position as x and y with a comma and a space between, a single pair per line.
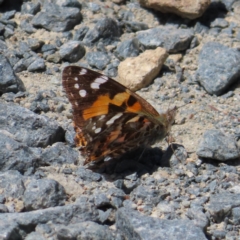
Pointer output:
218, 67
43, 193
8, 32
218, 146
11, 182
132, 26
85, 230
128, 48
101, 200
221, 205
9, 82
152, 196
24, 63
35, 236
105, 215
172, 39
3, 45
12, 225
29, 128
219, 22
3, 208
174, 155
8, 15
63, 3
37, 65
58, 19
94, 7
98, 59
88, 175
199, 217
105, 29
80, 33
59, 153
34, 44
72, 51
236, 215
48, 48
137, 226
111, 70
228, 4
15, 155
30, 8
27, 26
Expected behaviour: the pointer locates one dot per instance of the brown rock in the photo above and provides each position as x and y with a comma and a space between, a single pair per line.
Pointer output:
138, 72
184, 8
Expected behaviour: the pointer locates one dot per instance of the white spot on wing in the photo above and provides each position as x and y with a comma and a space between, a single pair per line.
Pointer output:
98, 81
76, 86
83, 71
82, 93
111, 120
76, 78
95, 85
98, 130
101, 79
102, 117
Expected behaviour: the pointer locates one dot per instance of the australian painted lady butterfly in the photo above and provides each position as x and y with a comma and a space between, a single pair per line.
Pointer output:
109, 119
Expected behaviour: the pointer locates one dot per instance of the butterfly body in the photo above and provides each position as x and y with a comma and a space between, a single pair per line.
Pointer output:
109, 119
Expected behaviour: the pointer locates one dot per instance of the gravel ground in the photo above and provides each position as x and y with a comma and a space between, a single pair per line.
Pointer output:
47, 193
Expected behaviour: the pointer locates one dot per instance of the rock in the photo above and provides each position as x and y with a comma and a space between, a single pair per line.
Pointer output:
34, 44
37, 65
72, 51
128, 48
219, 22
13, 225
30, 8
85, 230
136, 73
58, 19
98, 59
29, 128
105, 29
26, 25
80, 33
172, 39
183, 8
132, 26
218, 67
137, 226
199, 218
9, 82
221, 205
43, 193
63, 3
59, 153
14, 155
218, 146
88, 175
11, 184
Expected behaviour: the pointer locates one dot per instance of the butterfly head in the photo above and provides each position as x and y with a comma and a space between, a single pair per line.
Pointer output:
167, 118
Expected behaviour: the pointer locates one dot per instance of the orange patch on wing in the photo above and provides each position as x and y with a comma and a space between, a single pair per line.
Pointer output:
100, 106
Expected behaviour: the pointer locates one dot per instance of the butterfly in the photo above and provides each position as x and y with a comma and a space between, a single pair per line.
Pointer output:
109, 119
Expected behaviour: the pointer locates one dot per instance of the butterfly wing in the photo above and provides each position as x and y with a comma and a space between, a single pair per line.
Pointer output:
109, 119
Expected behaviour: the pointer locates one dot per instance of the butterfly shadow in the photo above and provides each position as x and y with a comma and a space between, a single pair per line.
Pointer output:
139, 162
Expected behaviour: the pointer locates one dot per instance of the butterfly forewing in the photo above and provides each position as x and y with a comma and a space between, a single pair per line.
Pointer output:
108, 118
